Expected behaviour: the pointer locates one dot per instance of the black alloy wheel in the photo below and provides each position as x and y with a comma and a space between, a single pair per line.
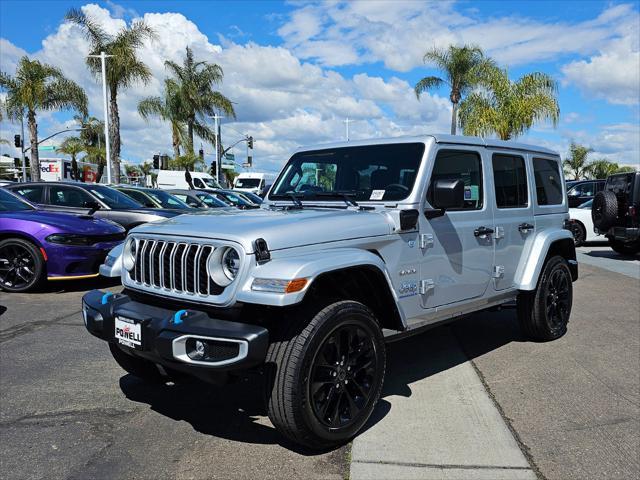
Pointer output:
21, 265
558, 304
342, 376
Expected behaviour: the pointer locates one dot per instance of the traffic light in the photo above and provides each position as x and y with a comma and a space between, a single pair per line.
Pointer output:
250, 142
156, 162
164, 162
250, 160
201, 154
17, 141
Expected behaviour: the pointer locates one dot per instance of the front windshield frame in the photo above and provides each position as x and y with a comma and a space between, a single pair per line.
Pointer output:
124, 201
8, 197
398, 163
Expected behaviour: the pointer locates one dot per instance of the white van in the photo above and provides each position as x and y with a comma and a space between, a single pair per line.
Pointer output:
171, 179
253, 182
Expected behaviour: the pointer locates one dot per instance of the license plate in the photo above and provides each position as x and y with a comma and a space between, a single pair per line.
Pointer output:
128, 333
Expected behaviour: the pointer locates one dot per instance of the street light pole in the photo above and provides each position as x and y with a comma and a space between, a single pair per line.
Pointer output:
218, 157
24, 167
346, 122
103, 60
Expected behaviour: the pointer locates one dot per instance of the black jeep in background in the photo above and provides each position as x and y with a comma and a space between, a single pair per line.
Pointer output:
616, 212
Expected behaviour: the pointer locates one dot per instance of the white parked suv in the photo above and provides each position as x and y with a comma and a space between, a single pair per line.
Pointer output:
356, 243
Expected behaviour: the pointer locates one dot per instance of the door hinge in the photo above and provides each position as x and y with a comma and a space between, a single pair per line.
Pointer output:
426, 240
498, 271
426, 285
499, 232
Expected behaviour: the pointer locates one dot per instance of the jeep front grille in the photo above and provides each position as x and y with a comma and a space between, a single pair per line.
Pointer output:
180, 267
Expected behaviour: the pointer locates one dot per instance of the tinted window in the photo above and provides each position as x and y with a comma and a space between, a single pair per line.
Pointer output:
198, 183
212, 201
582, 190
140, 197
548, 181
510, 179
112, 197
167, 200
12, 203
33, 193
69, 197
372, 172
459, 165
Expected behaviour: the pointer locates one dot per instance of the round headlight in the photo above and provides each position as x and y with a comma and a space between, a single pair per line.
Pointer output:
224, 265
129, 254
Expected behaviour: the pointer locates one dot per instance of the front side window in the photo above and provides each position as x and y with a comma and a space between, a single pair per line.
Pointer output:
548, 181
69, 197
459, 165
510, 179
371, 172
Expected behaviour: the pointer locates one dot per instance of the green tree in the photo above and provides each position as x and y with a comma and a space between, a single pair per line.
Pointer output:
462, 68
195, 82
168, 108
38, 87
576, 164
188, 160
93, 139
123, 68
603, 168
508, 109
73, 146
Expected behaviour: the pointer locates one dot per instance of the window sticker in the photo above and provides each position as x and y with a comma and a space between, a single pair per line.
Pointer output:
376, 194
471, 192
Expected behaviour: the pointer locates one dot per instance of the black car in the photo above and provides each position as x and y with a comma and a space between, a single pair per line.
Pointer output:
582, 191
81, 198
199, 198
616, 212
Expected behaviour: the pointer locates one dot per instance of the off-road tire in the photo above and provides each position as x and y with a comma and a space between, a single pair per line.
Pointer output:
36, 257
290, 361
138, 367
624, 248
604, 211
533, 307
579, 233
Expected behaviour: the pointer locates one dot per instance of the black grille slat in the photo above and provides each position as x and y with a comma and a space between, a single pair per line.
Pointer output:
155, 258
147, 264
203, 277
166, 265
190, 268
177, 267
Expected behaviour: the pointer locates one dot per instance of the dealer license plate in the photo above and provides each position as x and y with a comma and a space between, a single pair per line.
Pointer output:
128, 333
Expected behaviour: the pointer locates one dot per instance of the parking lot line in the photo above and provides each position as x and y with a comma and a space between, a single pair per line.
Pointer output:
437, 424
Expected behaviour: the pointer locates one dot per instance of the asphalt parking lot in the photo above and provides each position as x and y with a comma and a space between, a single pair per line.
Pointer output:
572, 406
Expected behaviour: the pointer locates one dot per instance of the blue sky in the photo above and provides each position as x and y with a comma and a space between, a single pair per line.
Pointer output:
297, 69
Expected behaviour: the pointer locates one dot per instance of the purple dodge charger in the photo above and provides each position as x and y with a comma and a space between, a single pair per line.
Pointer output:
37, 245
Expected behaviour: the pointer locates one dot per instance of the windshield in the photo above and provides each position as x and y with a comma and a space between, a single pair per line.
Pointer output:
211, 201
167, 200
235, 199
210, 182
247, 183
586, 204
11, 203
371, 172
112, 197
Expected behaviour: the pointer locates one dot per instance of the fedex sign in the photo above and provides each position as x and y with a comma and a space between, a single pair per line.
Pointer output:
62, 170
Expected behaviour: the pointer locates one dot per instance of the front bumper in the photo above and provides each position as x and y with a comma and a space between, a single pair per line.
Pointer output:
166, 335
65, 262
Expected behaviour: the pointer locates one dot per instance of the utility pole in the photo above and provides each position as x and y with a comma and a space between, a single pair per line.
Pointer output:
346, 123
24, 166
218, 155
103, 59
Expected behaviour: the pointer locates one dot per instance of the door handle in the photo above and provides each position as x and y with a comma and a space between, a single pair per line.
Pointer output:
482, 231
525, 227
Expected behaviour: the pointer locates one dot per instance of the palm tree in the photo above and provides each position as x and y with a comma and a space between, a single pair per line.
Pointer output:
168, 108
37, 87
462, 67
73, 146
508, 108
195, 82
576, 163
603, 168
123, 69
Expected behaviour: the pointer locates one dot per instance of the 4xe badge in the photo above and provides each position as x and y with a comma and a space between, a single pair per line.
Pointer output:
128, 333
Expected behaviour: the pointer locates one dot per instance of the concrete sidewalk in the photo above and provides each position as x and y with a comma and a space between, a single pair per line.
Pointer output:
436, 420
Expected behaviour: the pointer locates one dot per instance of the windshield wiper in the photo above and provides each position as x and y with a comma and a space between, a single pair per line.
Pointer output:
295, 199
348, 197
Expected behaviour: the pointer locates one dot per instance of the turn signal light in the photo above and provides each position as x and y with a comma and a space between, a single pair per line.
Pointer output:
278, 286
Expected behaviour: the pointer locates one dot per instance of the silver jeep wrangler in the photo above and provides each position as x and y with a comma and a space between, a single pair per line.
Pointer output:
356, 243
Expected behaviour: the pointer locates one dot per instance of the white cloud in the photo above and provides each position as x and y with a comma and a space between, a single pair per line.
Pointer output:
613, 74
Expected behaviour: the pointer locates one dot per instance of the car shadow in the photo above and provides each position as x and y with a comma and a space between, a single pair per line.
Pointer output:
62, 286
237, 412
611, 254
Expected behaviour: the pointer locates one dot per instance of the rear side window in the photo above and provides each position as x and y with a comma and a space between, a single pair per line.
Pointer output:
459, 165
510, 179
33, 193
548, 181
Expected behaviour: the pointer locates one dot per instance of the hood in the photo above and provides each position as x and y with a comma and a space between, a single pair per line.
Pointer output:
280, 228
160, 212
63, 222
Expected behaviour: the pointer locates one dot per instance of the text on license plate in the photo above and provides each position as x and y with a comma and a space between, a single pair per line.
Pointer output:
128, 333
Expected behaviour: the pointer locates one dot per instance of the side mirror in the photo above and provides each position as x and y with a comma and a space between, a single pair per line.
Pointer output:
93, 206
447, 194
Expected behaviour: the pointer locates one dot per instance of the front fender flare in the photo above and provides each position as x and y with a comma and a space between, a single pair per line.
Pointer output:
310, 266
528, 273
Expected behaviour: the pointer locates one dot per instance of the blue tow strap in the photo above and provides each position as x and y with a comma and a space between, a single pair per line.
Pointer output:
105, 298
176, 318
